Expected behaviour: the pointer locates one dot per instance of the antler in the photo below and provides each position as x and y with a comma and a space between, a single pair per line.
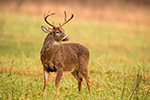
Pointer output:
46, 16
65, 21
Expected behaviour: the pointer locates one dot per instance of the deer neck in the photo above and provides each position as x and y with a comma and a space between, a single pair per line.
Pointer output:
50, 48
50, 42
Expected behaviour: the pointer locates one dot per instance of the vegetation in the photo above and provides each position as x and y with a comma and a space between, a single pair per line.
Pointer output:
119, 65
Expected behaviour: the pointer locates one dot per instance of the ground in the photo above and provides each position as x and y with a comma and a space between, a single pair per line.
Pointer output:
119, 65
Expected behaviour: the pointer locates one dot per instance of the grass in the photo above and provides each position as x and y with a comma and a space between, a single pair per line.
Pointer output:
119, 60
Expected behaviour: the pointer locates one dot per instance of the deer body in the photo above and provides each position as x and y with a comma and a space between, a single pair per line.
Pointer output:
57, 57
67, 55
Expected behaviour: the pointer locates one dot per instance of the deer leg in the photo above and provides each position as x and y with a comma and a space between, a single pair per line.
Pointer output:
58, 77
88, 83
84, 73
46, 79
77, 75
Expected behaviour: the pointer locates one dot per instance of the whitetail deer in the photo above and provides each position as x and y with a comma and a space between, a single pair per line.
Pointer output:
58, 57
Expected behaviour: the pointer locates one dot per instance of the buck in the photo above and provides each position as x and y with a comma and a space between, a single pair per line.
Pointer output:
57, 57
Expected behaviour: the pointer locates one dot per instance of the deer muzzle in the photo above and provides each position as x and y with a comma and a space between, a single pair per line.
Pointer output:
65, 38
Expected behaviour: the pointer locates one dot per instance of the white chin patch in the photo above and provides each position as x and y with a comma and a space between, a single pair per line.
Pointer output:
56, 43
64, 37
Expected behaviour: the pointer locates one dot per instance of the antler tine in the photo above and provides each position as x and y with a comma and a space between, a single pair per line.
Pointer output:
65, 15
46, 16
53, 22
59, 25
65, 21
48, 13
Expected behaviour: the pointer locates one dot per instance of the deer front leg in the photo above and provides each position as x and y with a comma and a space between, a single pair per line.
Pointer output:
46, 79
58, 77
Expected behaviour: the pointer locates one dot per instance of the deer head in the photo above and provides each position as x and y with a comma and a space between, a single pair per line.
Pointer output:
58, 33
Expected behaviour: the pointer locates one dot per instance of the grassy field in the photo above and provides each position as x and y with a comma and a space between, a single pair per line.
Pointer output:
119, 65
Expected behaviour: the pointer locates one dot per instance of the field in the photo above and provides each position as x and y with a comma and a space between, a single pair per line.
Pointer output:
119, 65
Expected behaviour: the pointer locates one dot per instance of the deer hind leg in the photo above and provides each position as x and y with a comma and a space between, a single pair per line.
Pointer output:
84, 72
46, 79
79, 78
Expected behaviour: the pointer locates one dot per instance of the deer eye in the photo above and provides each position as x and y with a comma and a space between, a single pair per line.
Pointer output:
57, 32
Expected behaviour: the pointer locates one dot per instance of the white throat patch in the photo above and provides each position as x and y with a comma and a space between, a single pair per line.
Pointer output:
56, 43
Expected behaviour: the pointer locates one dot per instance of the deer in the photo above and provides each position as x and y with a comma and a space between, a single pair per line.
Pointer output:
63, 57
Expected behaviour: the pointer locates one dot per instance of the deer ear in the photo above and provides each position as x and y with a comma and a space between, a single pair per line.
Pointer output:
45, 29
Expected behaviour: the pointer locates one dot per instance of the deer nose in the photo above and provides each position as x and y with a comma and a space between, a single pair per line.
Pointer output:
65, 38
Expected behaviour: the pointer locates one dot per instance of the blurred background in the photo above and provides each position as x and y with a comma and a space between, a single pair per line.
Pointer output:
127, 11
117, 33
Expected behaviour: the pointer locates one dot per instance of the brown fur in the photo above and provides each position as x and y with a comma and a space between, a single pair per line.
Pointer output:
71, 57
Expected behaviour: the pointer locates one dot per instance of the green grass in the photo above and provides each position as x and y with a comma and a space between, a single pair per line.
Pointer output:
119, 54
